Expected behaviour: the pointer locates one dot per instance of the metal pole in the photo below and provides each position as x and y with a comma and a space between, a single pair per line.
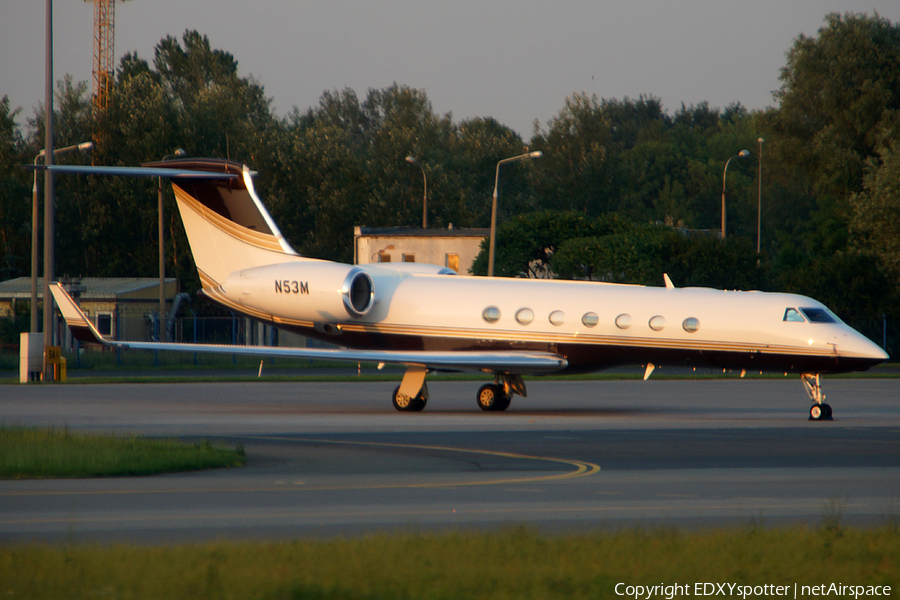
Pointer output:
33, 325
424, 200
163, 330
490, 271
84, 146
741, 154
412, 161
759, 204
48, 187
532, 155
162, 269
725, 172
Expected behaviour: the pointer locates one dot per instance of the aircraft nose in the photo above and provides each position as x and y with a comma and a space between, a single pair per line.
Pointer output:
857, 347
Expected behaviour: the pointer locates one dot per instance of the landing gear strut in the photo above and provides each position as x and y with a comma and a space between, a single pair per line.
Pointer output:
819, 411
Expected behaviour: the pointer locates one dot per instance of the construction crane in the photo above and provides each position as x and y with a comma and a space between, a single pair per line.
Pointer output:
104, 52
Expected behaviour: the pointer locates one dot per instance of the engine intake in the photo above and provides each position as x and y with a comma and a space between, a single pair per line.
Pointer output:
358, 293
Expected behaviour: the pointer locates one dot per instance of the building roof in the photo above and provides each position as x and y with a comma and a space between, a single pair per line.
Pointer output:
419, 232
95, 287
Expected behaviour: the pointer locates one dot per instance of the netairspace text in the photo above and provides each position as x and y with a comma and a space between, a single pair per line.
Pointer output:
795, 590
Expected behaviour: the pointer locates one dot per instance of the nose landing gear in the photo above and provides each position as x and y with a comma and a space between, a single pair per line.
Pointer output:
819, 411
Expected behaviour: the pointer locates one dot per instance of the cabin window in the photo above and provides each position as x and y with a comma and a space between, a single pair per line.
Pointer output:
818, 315
491, 314
557, 317
658, 323
623, 321
525, 316
691, 324
590, 319
793, 315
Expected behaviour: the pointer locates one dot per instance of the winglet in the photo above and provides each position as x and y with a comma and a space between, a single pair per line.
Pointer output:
82, 328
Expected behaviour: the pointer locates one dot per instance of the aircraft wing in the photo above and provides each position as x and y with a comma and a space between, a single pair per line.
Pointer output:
488, 361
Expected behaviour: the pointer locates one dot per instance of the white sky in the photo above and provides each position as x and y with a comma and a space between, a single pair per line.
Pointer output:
514, 61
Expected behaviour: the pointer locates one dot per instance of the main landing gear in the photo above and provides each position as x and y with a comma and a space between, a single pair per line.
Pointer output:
497, 396
492, 397
819, 411
408, 404
412, 393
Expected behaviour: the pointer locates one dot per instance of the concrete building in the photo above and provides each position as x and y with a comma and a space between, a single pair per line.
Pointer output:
122, 308
452, 248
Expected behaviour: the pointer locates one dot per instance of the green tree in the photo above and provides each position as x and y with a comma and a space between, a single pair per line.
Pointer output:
15, 198
641, 254
526, 244
876, 210
577, 174
838, 90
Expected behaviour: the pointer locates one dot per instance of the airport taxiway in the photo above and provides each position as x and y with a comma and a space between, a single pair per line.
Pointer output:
336, 459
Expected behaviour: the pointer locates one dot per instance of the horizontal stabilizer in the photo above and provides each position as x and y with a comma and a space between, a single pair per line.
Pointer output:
82, 328
134, 171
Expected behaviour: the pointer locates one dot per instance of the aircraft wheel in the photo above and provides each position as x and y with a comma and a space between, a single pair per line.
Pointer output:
408, 404
491, 397
820, 412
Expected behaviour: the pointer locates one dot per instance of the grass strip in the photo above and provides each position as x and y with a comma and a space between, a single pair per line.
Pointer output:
50, 452
511, 564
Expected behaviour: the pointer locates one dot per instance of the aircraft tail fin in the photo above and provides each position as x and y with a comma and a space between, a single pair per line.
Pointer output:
228, 227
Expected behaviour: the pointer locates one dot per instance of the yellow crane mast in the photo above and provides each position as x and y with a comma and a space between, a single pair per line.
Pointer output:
104, 52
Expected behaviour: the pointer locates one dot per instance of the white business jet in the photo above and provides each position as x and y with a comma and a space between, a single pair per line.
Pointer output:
430, 319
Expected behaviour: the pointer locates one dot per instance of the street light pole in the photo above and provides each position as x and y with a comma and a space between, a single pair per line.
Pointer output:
741, 154
82, 147
48, 186
412, 161
162, 253
759, 204
529, 155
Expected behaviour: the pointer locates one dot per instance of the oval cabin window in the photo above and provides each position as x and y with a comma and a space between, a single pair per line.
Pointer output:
658, 323
691, 324
557, 317
590, 319
623, 321
491, 314
525, 316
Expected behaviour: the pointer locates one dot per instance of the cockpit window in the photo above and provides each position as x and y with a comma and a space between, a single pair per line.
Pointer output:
792, 314
818, 315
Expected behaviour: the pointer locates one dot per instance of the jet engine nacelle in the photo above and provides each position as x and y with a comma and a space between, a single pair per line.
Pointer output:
307, 290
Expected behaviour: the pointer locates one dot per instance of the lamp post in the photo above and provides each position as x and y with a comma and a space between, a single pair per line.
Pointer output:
759, 203
82, 147
742, 154
412, 161
179, 153
528, 155
48, 183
